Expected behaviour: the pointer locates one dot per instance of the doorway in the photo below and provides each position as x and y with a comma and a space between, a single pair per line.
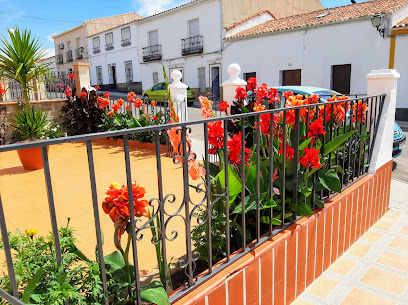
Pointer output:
292, 77
215, 82
112, 75
341, 78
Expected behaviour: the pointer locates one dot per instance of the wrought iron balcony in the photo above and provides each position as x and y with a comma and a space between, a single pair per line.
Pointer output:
152, 53
192, 45
109, 46
96, 50
126, 42
69, 55
59, 59
79, 53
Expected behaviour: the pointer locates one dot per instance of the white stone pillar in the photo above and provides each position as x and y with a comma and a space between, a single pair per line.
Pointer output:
82, 77
383, 82
229, 87
178, 93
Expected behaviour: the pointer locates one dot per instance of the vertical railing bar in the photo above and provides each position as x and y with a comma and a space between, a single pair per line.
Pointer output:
51, 204
378, 118
96, 217
161, 209
132, 215
331, 131
243, 183
208, 194
258, 183
7, 251
324, 141
355, 136
186, 201
283, 191
271, 166
226, 167
343, 175
296, 159
350, 142
373, 126
361, 140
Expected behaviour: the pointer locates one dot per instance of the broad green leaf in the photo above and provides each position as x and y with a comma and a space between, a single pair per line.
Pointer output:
337, 142
244, 109
269, 204
116, 266
155, 293
234, 181
267, 220
303, 209
304, 144
319, 203
250, 204
330, 180
32, 283
338, 168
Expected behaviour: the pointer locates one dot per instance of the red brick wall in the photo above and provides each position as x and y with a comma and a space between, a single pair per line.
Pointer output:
280, 269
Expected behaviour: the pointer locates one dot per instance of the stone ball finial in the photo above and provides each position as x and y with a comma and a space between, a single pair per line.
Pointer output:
234, 70
176, 75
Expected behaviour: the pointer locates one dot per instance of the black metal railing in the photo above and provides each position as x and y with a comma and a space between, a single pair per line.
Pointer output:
59, 59
79, 53
126, 42
192, 45
96, 50
211, 220
69, 56
152, 53
109, 46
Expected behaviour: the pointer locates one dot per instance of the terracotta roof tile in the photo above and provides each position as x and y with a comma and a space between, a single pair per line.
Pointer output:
330, 15
248, 18
402, 24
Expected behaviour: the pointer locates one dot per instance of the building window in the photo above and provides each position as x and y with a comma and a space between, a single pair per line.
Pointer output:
194, 28
99, 80
153, 38
249, 75
201, 79
291, 77
126, 37
341, 78
155, 78
96, 43
128, 71
108, 41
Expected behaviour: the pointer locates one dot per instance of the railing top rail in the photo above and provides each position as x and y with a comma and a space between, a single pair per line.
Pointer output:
123, 132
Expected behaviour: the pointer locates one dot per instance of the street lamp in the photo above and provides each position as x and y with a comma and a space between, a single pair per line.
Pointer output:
378, 21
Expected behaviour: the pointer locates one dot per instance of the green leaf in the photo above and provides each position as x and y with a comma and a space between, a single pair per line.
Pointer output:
244, 109
303, 209
250, 204
319, 203
234, 181
155, 293
267, 220
115, 265
330, 180
32, 283
304, 144
338, 168
337, 142
269, 204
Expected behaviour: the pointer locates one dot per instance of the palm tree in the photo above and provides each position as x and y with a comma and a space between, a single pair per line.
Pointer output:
18, 60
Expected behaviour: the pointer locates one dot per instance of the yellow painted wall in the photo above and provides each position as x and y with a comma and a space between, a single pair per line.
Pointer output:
236, 10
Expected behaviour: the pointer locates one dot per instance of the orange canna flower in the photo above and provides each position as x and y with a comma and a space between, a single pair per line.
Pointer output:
259, 107
153, 103
206, 107
138, 103
110, 113
195, 170
131, 96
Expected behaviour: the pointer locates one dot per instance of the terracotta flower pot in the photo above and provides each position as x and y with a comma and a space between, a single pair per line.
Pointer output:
31, 158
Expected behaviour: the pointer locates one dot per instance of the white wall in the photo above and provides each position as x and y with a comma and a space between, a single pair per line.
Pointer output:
401, 65
314, 51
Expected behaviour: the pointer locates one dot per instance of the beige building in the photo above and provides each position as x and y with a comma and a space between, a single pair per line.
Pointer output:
71, 45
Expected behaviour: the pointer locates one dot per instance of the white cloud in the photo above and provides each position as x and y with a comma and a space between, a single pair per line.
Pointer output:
150, 7
49, 52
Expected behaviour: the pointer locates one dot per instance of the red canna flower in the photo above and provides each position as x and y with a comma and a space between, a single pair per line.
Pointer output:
110, 113
215, 137
251, 84
273, 95
71, 76
84, 94
292, 101
289, 151
234, 147
316, 129
68, 92
131, 97
360, 116
223, 106
2, 91
261, 92
138, 103
97, 87
116, 107
153, 103
286, 94
311, 158
206, 107
102, 102
241, 94
127, 107
106, 95
155, 118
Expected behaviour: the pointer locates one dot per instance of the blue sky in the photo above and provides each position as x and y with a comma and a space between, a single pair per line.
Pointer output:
46, 18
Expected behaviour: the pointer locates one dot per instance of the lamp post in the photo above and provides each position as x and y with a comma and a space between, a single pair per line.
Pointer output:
378, 22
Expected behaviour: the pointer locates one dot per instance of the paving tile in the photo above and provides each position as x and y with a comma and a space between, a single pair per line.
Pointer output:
385, 280
300, 302
394, 260
392, 215
361, 297
404, 231
323, 286
343, 266
371, 236
382, 225
359, 250
399, 243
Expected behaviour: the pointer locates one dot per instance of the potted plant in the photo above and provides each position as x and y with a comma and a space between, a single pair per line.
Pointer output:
31, 124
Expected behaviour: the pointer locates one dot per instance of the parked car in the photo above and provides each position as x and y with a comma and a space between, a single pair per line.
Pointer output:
158, 92
399, 141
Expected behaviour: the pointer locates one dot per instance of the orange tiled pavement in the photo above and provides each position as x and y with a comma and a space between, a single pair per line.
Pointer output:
26, 205
374, 271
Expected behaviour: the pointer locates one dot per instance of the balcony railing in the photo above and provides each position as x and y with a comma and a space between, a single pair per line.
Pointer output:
126, 42
258, 205
192, 45
96, 50
79, 53
152, 53
109, 46
69, 55
59, 59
